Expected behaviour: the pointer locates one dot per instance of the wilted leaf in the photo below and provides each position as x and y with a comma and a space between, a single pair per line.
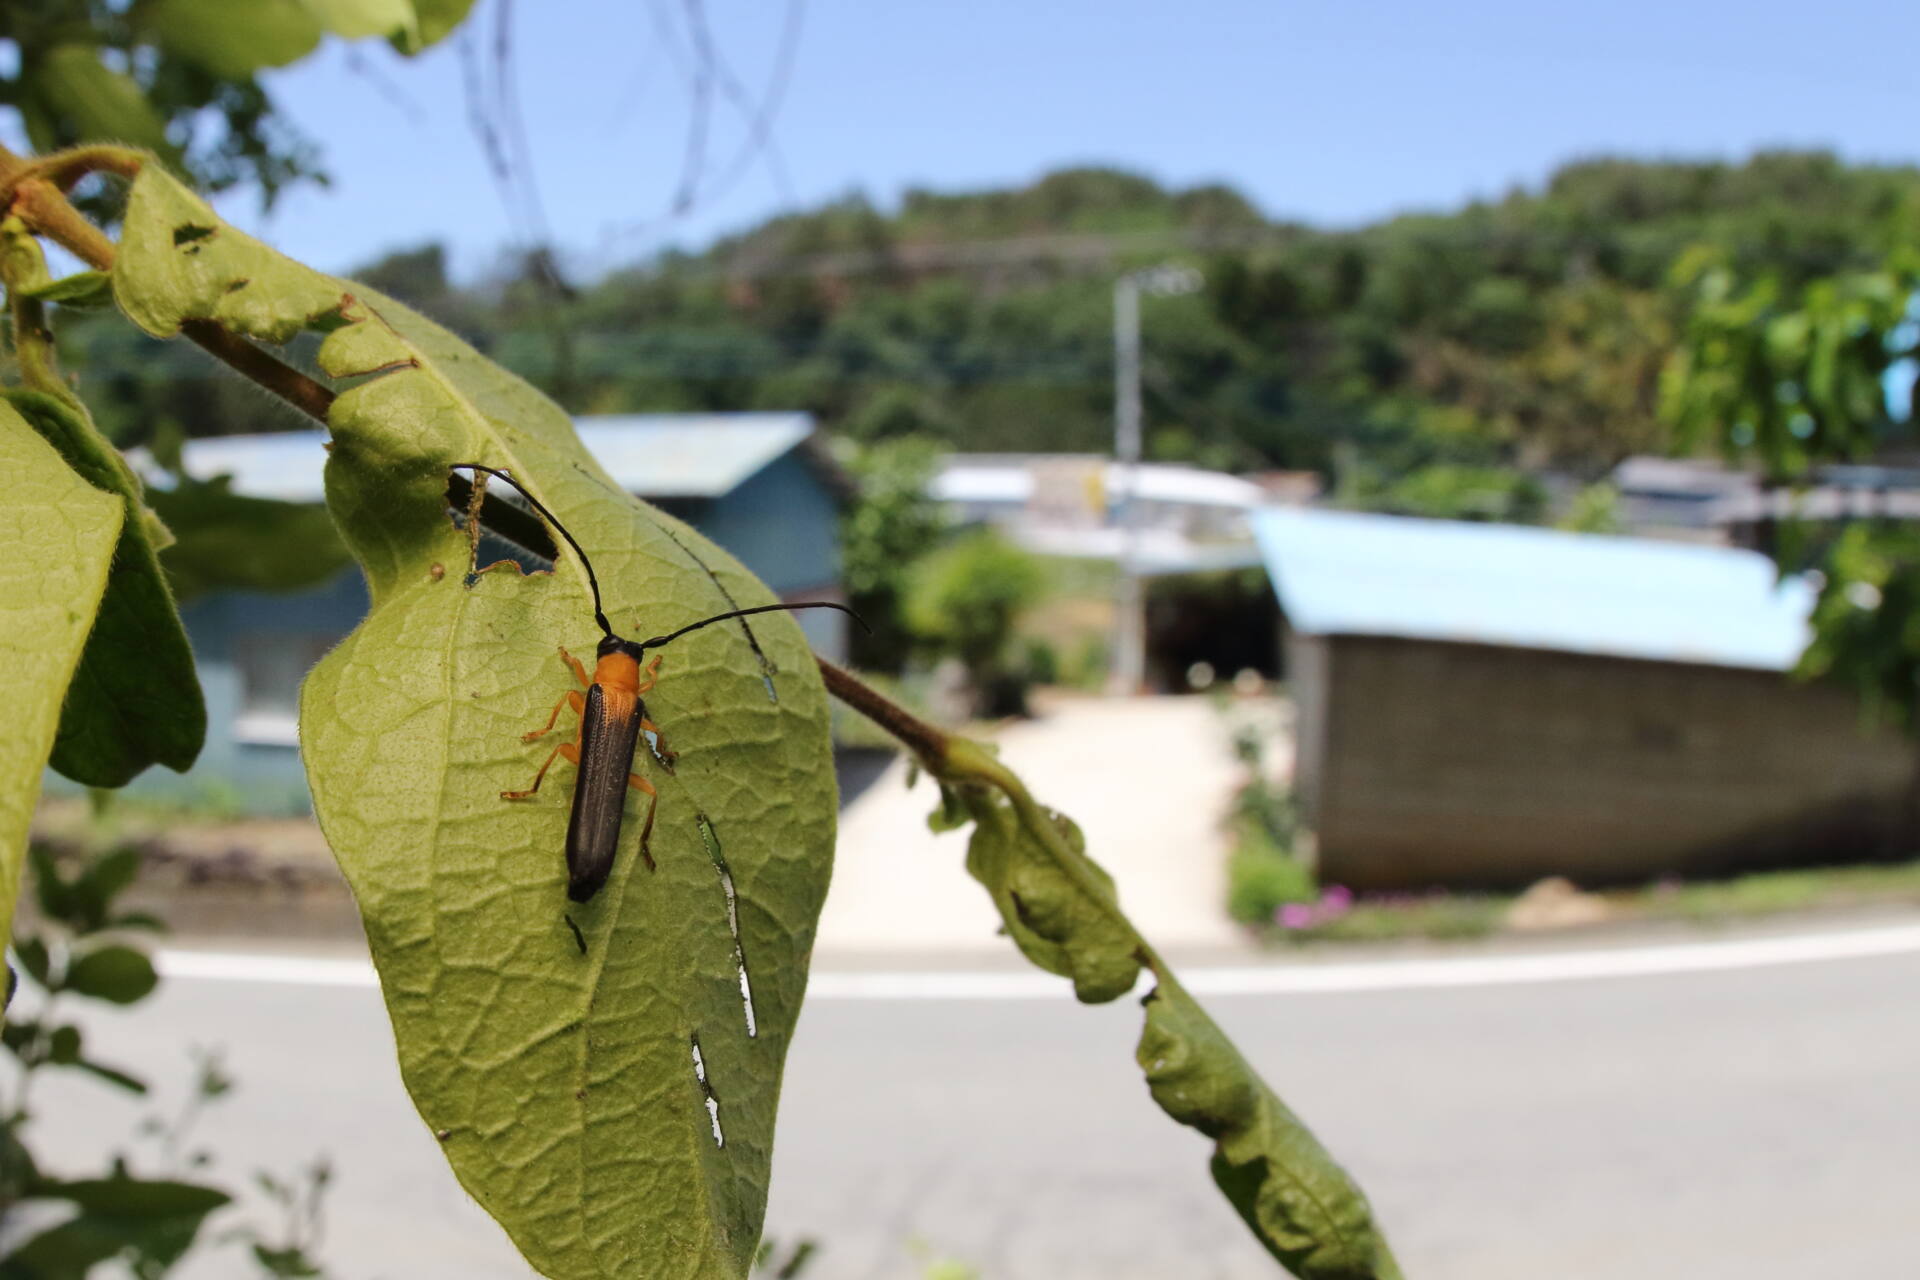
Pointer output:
566, 1087
1061, 927
1061, 910
226, 541
1298, 1201
59, 533
113, 973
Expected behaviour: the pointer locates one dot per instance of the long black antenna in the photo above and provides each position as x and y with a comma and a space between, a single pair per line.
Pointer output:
599, 614
657, 641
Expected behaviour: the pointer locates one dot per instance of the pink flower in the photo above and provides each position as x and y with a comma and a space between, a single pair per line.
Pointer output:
1335, 899
1295, 915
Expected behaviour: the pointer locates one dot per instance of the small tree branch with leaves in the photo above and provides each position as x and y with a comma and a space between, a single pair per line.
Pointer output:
543, 1048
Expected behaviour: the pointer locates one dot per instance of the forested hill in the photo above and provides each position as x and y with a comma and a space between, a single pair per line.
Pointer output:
1526, 330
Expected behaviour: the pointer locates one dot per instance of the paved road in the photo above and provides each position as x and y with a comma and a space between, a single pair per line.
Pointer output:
1737, 1125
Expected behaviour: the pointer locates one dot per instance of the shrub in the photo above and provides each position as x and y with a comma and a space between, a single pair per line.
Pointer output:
965, 600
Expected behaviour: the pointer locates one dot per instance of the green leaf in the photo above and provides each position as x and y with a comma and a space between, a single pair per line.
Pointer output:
564, 1086
97, 102
225, 541
232, 39
1060, 926
53, 891
137, 1197
33, 958
153, 1221
118, 974
82, 289
1297, 1200
112, 1075
110, 875
437, 20
59, 533
1061, 910
138, 920
291, 1261
63, 1046
135, 699
353, 19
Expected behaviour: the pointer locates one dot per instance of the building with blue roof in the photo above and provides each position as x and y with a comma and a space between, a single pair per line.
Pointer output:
1485, 705
756, 483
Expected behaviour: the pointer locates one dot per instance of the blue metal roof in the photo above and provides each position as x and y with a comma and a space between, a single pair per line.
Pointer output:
656, 455
690, 455
1343, 573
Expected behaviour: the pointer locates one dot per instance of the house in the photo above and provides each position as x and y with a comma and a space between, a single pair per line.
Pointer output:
1186, 520
1484, 705
1707, 500
756, 483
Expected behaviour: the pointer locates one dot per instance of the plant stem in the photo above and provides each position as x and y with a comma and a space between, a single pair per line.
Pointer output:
930, 744
37, 198
956, 760
261, 367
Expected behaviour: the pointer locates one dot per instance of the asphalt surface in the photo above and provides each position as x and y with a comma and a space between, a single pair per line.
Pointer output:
1744, 1124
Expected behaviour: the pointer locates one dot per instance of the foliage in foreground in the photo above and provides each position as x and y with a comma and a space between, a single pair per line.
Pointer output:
603, 1082
82, 948
1796, 376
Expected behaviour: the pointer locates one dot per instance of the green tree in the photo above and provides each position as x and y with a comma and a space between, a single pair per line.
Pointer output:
966, 599
888, 528
180, 77
1796, 376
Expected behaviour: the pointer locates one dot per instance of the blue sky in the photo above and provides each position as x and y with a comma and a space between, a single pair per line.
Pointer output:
1332, 112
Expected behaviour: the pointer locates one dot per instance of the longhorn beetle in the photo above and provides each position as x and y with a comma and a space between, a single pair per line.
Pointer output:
612, 718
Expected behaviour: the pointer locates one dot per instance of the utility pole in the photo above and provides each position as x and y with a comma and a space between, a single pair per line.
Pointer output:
1129, 657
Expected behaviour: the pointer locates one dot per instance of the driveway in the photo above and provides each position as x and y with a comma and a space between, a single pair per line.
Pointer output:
1147, 779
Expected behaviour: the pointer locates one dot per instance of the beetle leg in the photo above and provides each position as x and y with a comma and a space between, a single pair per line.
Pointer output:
567, 749
579, 706
652, 676
639, 783
578, 669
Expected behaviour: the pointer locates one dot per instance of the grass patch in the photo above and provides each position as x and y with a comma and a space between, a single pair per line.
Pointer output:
1442, 916
1765, 893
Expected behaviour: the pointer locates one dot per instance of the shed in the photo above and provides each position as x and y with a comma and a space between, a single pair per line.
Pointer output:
756, 483
1482, 705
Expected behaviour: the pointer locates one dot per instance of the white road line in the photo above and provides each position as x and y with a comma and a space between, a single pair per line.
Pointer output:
1307, 978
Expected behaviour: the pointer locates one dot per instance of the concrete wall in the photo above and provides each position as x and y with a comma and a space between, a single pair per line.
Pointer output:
1426, 763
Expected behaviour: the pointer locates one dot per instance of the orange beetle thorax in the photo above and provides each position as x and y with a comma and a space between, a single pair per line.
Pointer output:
617, 671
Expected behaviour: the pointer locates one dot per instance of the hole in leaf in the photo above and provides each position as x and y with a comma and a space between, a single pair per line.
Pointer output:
711, 840
527, 541
661, 755
188, 233
706, 1092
